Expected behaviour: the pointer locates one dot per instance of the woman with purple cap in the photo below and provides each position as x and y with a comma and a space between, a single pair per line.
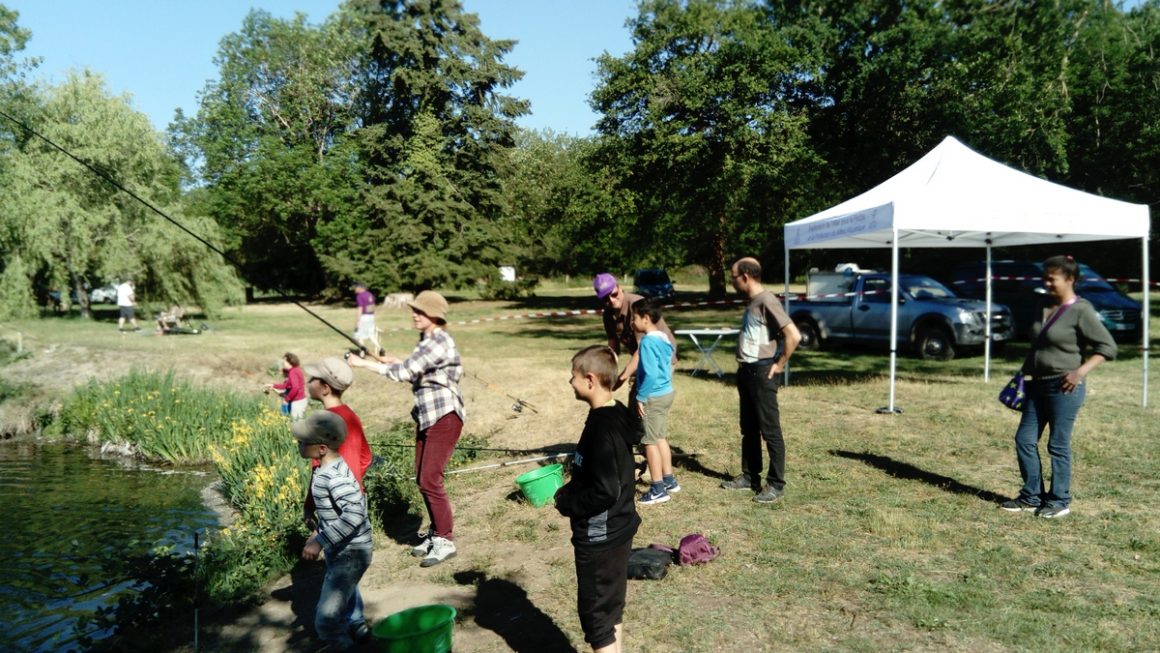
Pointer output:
434, 370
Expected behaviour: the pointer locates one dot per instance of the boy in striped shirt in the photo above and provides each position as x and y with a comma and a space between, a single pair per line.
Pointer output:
343, 534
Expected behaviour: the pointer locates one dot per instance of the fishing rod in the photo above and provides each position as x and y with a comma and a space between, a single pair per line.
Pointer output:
359, 347
115, 184
520, 404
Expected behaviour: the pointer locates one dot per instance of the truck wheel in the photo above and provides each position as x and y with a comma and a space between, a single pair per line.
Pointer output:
935, 344
811, 338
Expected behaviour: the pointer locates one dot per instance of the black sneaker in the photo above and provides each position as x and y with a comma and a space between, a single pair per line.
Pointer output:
739, 483
1018, 505
360, 632
1051, 512
769, 494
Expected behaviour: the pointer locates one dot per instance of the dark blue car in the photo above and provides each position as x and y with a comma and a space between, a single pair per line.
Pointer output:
1019, 285
653, 282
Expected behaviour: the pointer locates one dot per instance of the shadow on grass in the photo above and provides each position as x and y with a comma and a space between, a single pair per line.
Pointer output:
565, 329
503, 607
690, 462
906, 471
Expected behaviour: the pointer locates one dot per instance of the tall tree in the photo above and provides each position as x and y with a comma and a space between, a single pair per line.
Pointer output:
434, 144
572, 216
268, 143
67, 227
901, 76
1115, 132
698, 120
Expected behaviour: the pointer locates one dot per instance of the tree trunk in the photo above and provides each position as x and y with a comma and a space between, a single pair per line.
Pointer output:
716, 262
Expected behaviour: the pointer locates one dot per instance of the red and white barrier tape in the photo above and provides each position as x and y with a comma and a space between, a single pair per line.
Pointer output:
1006, 278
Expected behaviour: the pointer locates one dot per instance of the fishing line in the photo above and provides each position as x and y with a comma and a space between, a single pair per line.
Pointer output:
520, 404
114, 183
518, 407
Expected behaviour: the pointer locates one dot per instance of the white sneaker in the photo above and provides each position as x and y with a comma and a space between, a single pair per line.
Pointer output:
441, 549
424, 546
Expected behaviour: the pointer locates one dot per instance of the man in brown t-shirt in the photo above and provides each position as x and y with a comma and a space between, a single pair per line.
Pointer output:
618, 325
758, 363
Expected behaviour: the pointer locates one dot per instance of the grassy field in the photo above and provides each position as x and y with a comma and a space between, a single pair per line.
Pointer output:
888, 538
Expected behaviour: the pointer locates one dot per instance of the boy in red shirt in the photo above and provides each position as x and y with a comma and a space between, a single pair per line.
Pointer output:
326, 380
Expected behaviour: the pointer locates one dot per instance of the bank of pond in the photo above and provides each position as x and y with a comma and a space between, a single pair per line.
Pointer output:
115, 534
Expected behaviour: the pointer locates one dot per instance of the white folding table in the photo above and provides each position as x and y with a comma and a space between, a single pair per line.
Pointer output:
706, 348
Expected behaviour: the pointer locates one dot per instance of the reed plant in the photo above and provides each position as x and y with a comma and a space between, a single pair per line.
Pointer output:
262, 476
155, 415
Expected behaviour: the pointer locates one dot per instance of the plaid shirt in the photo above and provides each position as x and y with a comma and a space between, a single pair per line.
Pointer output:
434, 370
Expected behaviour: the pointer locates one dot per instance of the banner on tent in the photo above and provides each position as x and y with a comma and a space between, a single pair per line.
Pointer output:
843, 226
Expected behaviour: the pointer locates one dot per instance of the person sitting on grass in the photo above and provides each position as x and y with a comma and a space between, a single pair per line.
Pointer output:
171, 319
343, 532
599, 500
654, 399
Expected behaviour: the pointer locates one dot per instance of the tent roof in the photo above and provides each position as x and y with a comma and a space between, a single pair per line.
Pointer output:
956, 197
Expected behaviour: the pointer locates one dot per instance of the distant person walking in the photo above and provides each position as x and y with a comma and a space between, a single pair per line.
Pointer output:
127, 305
434, 370
758, 363
1068, 341
365, 327
622, 336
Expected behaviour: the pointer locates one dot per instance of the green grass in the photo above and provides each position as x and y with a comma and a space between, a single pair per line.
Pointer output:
888, 538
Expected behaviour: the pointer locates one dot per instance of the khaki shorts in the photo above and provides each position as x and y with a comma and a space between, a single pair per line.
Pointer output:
656, 417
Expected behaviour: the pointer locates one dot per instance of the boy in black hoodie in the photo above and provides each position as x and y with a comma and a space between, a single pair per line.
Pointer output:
600, 501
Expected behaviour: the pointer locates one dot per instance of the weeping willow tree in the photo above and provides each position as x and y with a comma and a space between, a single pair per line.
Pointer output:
63, 227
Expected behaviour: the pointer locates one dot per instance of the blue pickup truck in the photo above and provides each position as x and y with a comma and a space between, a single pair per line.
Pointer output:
854, 307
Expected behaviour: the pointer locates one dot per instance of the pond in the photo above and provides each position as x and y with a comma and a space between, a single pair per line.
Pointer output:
72, 515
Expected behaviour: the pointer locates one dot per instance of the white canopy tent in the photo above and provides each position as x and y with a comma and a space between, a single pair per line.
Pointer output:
956, 197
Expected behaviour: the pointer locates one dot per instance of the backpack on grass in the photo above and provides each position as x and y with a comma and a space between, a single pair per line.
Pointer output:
695, 549
648, 563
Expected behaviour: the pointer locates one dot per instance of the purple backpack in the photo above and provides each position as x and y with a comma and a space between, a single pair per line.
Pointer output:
695, 549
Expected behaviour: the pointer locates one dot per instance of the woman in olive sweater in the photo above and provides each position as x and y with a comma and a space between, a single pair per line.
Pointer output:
1069, 341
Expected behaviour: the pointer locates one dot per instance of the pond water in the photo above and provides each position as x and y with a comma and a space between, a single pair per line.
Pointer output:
70, 514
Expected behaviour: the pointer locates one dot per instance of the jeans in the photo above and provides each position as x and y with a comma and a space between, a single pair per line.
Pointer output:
1047, 405
340, 606
760, 420
433, 449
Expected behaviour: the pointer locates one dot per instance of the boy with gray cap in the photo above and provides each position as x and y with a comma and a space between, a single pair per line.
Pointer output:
326, 381
344, 532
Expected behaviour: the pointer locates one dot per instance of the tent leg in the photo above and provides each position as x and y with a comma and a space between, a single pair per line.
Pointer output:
1146, 320
987, 329
785, 380
891, 408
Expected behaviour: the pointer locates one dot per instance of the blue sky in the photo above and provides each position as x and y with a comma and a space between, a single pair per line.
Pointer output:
161, 51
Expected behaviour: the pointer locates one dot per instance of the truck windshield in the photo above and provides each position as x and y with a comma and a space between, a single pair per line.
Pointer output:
925, 288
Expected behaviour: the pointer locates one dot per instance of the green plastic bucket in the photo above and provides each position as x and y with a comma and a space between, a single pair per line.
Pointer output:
539, 485
423, 629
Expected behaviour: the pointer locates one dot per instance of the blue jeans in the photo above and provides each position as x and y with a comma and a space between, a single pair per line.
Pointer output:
1047, 405
340, 606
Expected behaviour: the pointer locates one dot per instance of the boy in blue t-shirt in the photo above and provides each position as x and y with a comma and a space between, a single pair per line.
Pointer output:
654, 396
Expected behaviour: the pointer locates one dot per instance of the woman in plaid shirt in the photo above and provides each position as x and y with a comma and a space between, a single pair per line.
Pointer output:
434, 371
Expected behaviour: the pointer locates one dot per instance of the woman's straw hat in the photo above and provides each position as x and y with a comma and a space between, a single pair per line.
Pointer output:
431, 304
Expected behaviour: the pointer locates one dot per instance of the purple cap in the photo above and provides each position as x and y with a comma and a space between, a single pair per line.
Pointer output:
604, 284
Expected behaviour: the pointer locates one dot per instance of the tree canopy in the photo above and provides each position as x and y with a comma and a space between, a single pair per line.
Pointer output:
381, 143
